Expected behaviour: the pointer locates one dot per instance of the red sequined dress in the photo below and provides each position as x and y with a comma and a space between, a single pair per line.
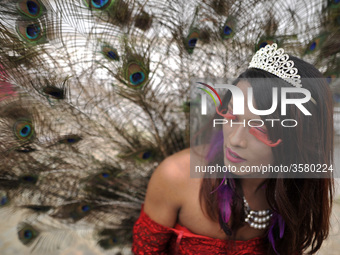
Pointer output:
149, 237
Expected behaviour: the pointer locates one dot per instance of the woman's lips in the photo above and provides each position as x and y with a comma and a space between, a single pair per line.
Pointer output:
232, 156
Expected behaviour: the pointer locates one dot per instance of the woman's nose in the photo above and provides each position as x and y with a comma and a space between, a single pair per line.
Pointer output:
238, 137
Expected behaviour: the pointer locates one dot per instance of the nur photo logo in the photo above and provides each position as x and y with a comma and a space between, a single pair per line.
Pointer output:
239, 104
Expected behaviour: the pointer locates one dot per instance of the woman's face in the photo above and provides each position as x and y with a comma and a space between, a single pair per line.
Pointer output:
242, 150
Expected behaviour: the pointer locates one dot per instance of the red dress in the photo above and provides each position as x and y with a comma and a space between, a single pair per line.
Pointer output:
149, 237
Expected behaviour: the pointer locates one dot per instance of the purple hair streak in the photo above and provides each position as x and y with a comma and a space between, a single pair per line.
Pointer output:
216, 145
277, 218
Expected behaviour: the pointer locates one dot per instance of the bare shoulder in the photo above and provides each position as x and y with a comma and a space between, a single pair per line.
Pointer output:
176, 168
171, 173
164, 197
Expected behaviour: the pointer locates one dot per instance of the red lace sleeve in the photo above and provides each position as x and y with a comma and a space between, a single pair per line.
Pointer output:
149, 237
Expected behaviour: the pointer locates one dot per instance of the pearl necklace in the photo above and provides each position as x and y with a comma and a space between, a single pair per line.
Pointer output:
256, 219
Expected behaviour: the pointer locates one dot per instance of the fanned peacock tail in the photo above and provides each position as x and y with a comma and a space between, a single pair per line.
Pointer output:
94, 94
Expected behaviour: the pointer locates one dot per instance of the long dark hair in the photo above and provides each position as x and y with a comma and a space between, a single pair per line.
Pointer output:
304, 205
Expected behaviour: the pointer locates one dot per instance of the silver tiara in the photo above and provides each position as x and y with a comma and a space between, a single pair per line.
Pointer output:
275, 61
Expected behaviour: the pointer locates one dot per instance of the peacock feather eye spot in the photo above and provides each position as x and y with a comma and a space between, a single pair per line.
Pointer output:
112, 55
32, 7
3, 200
99, 3
137, 78
135, 72
262, 45
329, 79
29, 178
33, 31
227, 30
110, 52
105, 175
264, 41
147, 155
85, 208
56, 94
25, 131
28, 234
71, 140
312, 46
192, 42
317, 43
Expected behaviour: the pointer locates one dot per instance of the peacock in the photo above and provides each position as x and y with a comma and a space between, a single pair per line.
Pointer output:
94, 94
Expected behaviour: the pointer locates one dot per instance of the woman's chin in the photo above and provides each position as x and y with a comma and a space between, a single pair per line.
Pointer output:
235, 169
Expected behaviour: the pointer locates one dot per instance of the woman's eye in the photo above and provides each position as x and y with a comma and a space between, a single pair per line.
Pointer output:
225, 113
263, 137
230, 115
259, 133
264, 131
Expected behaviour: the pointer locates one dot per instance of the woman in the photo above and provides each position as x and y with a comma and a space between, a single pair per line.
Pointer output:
248, 213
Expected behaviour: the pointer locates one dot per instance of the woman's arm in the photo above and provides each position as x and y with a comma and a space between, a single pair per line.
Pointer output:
163, 196
161, 207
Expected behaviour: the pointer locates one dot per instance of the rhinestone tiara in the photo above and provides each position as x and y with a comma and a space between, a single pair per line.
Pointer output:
275, 61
